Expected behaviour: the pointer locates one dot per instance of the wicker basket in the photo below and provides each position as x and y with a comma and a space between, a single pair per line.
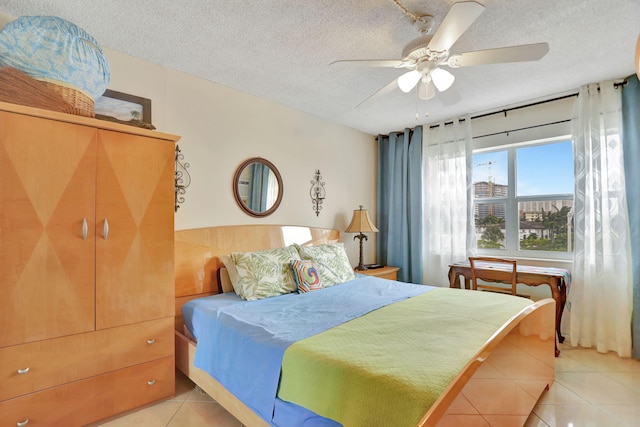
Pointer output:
81, 104
19, 88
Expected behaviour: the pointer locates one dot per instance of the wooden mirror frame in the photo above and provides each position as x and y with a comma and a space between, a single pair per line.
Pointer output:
236, 189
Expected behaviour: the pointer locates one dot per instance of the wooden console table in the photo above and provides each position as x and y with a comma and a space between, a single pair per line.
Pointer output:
558, 279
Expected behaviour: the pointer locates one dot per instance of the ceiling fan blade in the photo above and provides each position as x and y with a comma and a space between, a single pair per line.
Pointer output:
383, 63
526, 52
459, 18
390, 87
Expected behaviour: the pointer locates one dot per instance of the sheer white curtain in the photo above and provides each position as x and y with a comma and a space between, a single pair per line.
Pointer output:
448, 214
600, 296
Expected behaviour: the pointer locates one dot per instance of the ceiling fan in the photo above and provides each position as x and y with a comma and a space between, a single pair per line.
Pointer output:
425, 56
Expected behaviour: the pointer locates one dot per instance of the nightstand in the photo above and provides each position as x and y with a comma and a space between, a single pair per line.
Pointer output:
385, 272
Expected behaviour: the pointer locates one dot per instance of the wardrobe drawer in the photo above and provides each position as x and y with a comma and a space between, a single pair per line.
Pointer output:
92, 399
39, 365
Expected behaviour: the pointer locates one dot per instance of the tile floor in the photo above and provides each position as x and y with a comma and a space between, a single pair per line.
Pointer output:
591, 389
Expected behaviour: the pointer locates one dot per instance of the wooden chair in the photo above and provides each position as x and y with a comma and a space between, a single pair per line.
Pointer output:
504, 273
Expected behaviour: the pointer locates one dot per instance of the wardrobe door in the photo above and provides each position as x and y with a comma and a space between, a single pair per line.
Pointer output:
134, 241
47, 210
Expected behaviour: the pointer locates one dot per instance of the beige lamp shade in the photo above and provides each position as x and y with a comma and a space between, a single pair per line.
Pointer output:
361, 222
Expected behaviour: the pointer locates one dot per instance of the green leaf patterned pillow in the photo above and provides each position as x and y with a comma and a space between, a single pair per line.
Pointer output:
265, 274
331, 259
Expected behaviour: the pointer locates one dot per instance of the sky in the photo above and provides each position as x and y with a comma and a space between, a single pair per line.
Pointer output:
541, 169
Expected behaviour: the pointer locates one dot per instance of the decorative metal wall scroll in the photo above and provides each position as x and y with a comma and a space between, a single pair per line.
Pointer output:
182, 178
317, 192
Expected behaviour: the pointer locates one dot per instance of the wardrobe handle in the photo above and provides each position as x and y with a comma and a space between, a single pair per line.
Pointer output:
152, 382
23, 371
23, 423
85, 228
105, 229
151, 341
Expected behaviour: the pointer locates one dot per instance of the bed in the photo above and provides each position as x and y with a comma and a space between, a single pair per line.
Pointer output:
495, 381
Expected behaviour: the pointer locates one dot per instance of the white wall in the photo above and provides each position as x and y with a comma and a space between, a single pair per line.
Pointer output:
221, 127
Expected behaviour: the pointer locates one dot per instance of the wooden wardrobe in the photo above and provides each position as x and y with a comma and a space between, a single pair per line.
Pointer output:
86, 267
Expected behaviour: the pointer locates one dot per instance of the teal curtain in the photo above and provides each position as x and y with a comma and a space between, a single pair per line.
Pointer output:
258, 187
400, 203
631, 148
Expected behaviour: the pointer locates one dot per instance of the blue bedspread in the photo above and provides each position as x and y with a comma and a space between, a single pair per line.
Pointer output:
241, 343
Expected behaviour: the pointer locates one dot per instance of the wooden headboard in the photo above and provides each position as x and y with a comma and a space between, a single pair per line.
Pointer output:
197, 253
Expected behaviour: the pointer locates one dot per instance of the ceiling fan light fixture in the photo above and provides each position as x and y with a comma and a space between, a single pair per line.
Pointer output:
409, 80
426, 90
442, 79
423, 56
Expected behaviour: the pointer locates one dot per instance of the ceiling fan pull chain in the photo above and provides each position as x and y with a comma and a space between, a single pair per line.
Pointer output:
407, 11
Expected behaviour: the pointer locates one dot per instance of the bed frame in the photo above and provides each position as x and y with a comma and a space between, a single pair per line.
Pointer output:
500, 385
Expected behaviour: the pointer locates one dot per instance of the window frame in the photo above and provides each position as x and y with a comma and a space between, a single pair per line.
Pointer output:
512, 219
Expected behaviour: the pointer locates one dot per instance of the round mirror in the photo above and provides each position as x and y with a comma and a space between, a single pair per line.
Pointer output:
257, 187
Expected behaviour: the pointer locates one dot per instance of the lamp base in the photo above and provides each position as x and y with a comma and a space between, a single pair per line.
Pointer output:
361, 266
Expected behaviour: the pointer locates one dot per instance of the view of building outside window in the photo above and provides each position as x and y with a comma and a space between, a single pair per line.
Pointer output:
526, 205
490, 190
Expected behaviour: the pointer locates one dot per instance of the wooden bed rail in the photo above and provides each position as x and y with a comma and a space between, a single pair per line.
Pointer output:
522, 350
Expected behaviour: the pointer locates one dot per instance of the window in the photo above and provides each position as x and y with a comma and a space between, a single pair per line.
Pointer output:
523, 199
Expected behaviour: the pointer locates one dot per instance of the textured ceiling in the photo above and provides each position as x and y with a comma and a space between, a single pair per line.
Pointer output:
280, 50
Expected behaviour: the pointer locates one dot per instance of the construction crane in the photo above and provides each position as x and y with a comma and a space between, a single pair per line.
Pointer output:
490, 178
490, 186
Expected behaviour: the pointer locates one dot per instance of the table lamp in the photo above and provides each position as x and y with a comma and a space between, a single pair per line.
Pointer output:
360, 223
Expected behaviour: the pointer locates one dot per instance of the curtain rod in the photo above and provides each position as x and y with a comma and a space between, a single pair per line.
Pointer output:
533, 104
507, 132
506, 110
616, 85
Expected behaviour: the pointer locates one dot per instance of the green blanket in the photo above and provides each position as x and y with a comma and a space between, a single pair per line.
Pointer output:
388, 367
